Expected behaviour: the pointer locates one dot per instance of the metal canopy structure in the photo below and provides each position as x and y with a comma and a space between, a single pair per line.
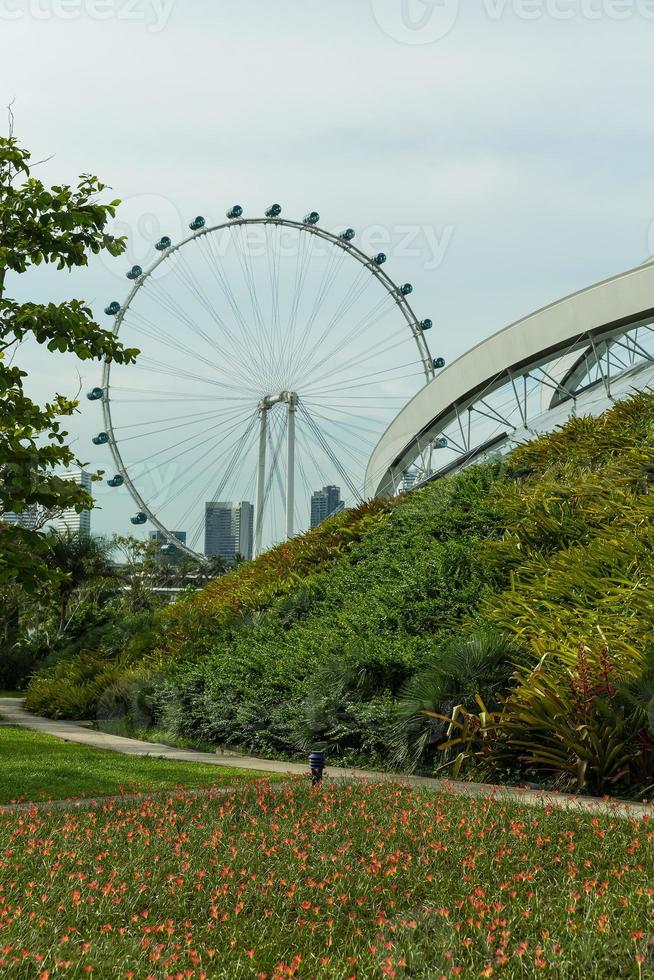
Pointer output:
575, 356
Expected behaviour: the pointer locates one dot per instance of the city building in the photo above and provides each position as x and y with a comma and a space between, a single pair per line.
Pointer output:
409, 480
324, 503
169, 552
69, 521
27, 519
228, 529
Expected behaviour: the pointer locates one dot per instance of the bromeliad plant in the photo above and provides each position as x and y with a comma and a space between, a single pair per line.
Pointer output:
578, 725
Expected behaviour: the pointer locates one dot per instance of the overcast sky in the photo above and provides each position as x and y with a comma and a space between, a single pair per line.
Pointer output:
501, 153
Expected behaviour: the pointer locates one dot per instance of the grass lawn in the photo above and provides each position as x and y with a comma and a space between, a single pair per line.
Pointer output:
350, 881
38, 767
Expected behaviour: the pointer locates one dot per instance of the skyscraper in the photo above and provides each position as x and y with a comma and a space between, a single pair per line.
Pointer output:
168, 551
409, 480
324, 503
228, 529
70, 522
27, 519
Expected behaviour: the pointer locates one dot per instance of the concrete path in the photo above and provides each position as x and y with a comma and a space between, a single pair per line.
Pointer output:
13, 713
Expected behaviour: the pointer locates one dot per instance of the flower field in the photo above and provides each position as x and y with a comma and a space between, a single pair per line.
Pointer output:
367, 880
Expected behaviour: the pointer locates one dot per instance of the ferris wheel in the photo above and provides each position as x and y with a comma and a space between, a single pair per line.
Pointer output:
274, 353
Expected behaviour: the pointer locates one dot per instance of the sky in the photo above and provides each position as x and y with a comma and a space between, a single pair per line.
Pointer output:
499, 152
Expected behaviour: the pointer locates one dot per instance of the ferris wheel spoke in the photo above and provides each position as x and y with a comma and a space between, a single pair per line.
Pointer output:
308, 446
214, 263
328, 450
238, 448
287, 337
350, 364
361, 382
360, 285
231, 476
358, 456
192, 482
160, 367
358, 330
244, 258
346, 423
171, 395
159, 295
184, 442
172, 342
330, 276
171, 428
209, 307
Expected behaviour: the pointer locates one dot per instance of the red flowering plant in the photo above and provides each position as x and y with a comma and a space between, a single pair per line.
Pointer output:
578, 723
345, 882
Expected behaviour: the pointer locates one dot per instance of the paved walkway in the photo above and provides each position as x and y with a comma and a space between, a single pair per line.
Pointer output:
13, 713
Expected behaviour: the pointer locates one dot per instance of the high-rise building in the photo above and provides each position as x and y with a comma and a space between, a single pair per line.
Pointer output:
324, 503
228, 529
70, 522
168, 551
409, 480
27, 519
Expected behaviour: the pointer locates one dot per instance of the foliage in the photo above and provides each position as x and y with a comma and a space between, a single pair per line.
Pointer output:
78, 558
352, 880
580, 723
316, 642
432, 702
61, 225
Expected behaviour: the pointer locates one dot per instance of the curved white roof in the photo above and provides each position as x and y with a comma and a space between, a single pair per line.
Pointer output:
593, 313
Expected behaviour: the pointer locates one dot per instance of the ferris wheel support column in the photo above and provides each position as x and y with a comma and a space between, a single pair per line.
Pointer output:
261, 479
290, 461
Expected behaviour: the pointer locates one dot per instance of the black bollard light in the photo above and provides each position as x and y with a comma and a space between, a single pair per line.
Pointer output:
316, 765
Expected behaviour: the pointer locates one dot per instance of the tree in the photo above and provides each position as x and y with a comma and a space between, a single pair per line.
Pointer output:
143, 571
81, 560
61, 225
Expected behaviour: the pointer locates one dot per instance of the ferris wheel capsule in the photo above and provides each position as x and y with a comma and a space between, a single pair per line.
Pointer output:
406, 289
197, 223
380, 258
347, 235
115, 481
426, 324
312, 218
274, 211
163, 244
112, 309
135, 272
101, 439
235, 212
95, 394
441, 443
139, 518
439, 362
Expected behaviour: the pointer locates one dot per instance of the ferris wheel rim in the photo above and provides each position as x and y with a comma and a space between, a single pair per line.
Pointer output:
399, 298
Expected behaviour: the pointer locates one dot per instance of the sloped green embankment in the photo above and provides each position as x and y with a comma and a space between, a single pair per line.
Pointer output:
311, 643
